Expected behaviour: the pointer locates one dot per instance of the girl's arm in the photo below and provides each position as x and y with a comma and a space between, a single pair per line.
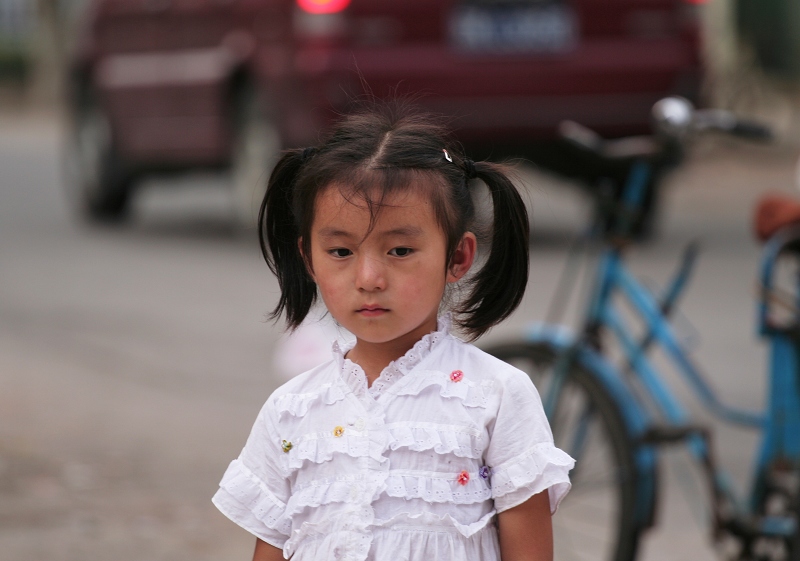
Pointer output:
526, 530
266, 552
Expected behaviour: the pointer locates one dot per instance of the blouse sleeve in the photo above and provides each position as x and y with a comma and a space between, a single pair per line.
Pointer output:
523, 459
254, 490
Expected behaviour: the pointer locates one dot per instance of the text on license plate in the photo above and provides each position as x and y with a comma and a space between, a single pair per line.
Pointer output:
550, 28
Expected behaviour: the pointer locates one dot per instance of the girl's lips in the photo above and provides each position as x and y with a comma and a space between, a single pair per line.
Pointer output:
372, 311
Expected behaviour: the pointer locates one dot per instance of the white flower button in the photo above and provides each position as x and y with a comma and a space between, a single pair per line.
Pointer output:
360, 424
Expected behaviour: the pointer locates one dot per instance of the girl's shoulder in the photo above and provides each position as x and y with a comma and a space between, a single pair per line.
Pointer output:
465, 357
307, 385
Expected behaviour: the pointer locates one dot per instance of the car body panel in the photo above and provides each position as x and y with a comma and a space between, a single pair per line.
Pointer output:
164, 70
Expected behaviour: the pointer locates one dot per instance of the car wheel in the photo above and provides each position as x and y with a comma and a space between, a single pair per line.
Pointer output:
99, 185
255, 148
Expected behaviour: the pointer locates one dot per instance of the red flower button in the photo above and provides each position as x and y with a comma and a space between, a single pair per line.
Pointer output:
456, 375
463, 478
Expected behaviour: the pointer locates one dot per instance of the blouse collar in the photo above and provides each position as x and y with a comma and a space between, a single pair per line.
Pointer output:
354, 376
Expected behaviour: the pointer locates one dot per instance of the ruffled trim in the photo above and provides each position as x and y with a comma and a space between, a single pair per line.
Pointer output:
345, 536
354, 491
349, 534
542, 467
443, 439
422, 348
431, 520
248, 490
471, 393
437, 489
354, 375
319, 448
297, 404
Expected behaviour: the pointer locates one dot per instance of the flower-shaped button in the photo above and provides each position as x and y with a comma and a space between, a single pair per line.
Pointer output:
463, 478
286, 446
484, 472
338, 431
456, 375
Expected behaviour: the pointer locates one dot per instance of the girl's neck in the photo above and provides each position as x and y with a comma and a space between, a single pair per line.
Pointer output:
374, 357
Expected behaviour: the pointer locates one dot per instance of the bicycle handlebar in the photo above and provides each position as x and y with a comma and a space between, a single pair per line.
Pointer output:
674, 118
725, 121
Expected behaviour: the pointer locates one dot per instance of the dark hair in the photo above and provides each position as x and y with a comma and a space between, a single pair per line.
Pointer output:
396, 149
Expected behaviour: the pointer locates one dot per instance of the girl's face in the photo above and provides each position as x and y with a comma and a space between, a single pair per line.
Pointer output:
383, 285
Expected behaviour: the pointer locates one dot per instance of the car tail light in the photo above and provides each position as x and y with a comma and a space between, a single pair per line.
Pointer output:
323, 6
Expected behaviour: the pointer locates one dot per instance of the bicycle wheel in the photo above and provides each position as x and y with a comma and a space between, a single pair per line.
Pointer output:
777, 495
794, 550
596, 520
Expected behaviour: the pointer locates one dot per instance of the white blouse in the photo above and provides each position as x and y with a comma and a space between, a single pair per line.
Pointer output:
414, 467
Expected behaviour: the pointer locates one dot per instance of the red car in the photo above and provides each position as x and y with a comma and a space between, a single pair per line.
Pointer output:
173, 85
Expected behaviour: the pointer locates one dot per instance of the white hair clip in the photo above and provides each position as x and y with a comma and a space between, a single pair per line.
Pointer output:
447, 156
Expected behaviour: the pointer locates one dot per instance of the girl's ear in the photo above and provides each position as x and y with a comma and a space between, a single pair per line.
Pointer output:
463, 257
307, 262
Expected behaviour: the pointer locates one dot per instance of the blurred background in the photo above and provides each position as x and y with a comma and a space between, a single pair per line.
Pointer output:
135, 139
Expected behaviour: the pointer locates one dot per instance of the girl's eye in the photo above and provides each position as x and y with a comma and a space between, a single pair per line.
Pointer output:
401, 251
340, 252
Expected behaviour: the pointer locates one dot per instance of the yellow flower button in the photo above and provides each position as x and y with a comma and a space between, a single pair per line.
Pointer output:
286, 446
338, 431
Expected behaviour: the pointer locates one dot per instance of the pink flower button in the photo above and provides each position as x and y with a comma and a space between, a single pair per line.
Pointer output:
463, 478
456, 375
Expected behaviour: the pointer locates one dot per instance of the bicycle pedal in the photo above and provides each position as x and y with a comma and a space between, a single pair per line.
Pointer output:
671, 434
751, 527
777, 526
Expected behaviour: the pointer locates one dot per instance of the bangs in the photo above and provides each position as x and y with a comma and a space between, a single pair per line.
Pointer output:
375, 188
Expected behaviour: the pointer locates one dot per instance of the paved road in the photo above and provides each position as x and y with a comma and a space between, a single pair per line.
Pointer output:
133, 360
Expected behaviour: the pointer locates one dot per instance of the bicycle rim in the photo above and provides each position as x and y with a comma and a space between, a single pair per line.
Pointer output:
596, 520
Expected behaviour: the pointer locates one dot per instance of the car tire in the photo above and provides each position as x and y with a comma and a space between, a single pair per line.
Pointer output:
254, 152
98, 182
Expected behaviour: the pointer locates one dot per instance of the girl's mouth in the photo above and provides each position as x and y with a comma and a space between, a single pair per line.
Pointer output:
372, 311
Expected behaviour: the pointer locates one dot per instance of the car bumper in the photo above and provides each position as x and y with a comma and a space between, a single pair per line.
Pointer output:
167, 108
172, 108
609, 86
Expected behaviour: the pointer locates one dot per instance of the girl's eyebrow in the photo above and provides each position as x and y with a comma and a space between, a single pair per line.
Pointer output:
330, 232
408, 231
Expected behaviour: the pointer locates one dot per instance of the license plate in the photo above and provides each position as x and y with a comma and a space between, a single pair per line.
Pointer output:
514, 29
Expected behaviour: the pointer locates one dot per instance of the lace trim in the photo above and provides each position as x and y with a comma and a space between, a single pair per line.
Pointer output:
297, 404
346, 536
471, 393
437, 489
247, 489
464, 442
320, 447
539, 468
431, 520
354, 375
351, 490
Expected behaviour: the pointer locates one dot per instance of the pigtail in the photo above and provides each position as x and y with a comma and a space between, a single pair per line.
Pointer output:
278, 235
497, 289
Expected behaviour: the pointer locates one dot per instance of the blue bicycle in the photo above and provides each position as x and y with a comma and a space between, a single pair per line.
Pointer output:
614, 420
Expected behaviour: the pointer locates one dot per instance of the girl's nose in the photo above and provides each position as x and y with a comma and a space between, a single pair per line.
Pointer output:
370, 274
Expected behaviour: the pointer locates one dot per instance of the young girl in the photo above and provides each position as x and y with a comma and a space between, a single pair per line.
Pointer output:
410, 444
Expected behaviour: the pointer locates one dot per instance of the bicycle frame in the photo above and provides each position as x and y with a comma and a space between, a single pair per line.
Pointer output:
779, 423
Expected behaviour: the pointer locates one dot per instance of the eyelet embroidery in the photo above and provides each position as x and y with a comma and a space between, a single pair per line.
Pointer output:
456, 375
286, 446
463, 478
338, 431
484, 472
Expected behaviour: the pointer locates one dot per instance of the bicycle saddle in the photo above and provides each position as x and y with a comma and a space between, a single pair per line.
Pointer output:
773, 212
